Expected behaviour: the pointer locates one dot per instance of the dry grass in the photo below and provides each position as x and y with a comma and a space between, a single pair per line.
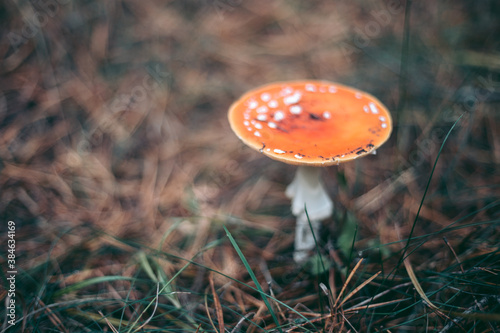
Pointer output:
119, 168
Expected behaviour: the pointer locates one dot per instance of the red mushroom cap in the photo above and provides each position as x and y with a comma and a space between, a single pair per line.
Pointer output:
315, 123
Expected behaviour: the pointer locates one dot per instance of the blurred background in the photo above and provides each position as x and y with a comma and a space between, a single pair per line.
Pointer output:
117, 160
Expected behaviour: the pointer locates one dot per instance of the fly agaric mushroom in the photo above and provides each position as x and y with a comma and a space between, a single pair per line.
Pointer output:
311, 124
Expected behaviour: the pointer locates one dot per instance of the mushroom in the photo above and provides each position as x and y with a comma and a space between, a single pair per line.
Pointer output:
311, 124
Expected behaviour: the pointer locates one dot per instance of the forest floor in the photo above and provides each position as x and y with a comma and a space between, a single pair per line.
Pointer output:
132, 206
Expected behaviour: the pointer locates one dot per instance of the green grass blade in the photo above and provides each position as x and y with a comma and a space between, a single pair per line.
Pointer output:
91, 281
320, 258
254, 278
403, 255
156, 252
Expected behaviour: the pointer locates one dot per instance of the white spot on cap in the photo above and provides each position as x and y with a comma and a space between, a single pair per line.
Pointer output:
279, 115
293, 99
373, 107
384, 125
272, 125
298, 156
265, 97
256, 133
268, 149
258, 126
253, 104
381, 118
332, 89
262, 109
262, 117
286, 91
273, 104
310, 87
249, 129
279, 151
358, 95
246, 123
295, 109
246, 116
326, 115
366, 109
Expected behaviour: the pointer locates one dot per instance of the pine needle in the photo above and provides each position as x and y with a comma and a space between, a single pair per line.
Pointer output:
358, 288
218, 307
347, 282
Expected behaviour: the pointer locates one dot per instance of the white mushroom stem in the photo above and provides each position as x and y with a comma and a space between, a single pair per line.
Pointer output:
306, 190
304, 240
